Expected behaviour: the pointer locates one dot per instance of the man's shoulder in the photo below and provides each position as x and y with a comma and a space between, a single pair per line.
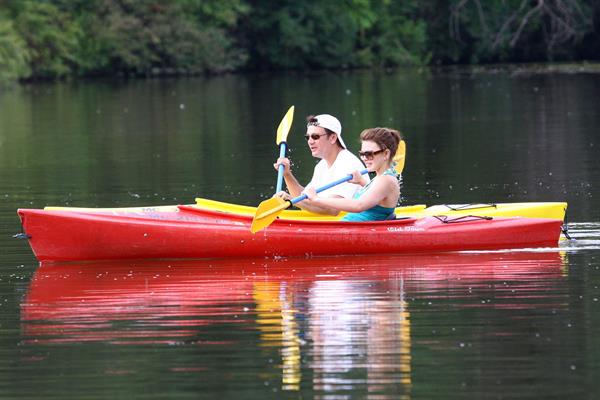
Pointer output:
350, 162
347, 155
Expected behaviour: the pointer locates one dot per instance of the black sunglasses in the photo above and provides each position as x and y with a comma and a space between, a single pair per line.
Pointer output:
314, 136
368, 155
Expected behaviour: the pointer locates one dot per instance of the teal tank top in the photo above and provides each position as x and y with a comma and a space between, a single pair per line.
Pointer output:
377, 213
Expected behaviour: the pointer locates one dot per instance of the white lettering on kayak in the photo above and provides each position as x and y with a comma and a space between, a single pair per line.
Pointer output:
405, 229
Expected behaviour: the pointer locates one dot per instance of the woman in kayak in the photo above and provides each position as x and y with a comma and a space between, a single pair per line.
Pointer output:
379, 197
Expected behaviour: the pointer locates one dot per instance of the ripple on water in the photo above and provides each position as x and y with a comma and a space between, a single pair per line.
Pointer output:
584, 236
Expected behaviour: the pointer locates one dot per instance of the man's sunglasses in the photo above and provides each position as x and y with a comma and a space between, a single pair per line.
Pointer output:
314, 136
368, 155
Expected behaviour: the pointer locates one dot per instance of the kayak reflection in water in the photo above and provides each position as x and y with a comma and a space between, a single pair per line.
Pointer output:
324, 139
378, 198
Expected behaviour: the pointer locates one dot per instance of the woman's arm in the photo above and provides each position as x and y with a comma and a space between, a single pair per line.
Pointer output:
378, 191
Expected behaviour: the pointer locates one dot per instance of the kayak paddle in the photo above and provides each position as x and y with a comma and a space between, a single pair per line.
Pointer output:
400, 157
268, 210
282, 132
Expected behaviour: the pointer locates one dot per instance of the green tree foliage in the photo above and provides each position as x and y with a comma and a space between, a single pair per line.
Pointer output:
398, 35
51, 37
14, 57
218, 13
292, 34
159, 37
62, 38
519, 29
326, 34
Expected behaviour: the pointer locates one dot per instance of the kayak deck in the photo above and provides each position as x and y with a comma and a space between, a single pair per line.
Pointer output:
553, 210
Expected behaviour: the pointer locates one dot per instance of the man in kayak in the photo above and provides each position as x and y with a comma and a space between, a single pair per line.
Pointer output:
377, 199
324, 138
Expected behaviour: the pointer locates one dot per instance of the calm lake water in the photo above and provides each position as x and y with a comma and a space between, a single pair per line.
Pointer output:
521, 324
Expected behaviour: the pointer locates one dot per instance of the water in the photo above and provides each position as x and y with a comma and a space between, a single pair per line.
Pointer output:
517, 324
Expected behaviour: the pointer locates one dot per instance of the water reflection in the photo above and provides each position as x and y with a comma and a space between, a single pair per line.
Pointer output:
336, 324
354, 328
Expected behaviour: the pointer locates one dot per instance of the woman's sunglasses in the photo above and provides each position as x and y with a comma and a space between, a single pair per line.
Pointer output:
368, 155
314, 136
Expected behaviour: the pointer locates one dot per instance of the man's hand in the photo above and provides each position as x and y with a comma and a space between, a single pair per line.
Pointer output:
286, 165
284, 195
311, 193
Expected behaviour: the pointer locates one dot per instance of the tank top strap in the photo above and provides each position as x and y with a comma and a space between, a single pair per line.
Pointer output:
391, 171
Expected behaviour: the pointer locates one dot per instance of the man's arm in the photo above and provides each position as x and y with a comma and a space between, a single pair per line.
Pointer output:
309, 206
293, 186
296, 189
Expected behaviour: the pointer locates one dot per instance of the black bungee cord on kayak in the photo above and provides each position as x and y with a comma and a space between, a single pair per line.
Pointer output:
465, 218
459, 207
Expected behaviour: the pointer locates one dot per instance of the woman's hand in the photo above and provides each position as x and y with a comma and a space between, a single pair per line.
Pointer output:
357, 178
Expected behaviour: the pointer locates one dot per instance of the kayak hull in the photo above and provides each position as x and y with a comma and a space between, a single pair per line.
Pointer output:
193, 233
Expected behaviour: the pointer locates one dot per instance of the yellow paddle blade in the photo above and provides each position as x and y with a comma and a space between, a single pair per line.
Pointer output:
267, 212
400, 156
285, 125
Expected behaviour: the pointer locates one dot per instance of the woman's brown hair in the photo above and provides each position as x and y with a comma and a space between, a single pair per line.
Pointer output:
385, 138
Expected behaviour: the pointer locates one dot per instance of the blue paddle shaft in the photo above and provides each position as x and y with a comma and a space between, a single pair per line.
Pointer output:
328, 186
279, 187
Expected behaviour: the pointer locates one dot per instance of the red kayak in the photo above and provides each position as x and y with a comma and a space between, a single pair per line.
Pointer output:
193, 233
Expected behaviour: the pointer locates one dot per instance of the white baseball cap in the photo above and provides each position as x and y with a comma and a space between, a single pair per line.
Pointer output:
332, 123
